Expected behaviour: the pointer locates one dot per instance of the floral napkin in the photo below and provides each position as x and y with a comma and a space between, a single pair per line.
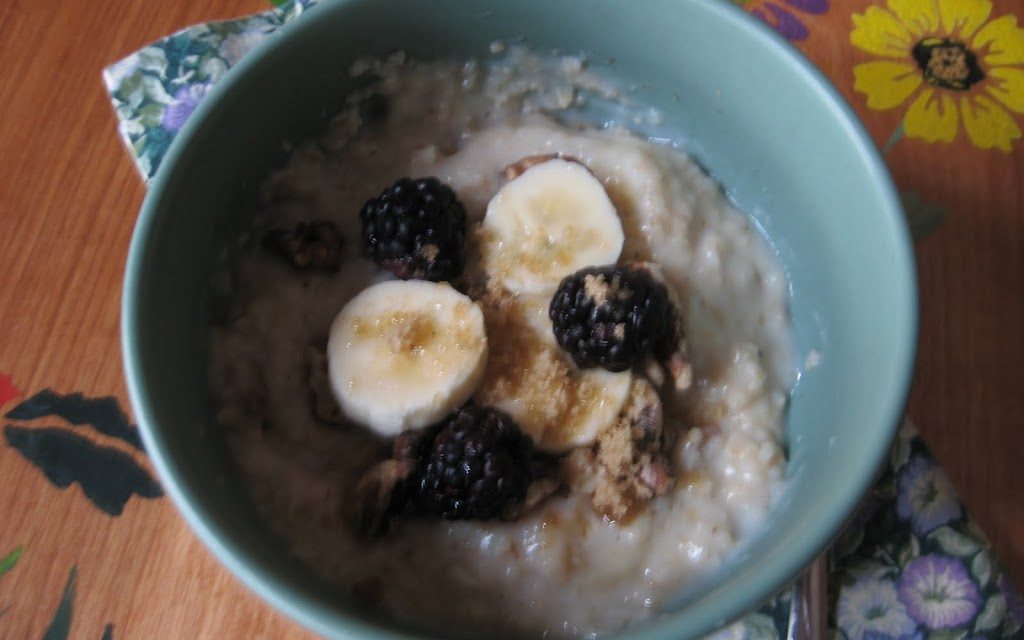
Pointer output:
911, 565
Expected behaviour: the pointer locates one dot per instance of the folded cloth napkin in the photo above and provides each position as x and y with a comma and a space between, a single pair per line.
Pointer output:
910, 565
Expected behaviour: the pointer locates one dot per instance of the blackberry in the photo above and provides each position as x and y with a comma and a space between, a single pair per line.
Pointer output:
478, 465
611, 317
417, 229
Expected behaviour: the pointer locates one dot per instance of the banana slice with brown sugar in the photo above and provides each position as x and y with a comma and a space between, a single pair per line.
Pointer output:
560, 405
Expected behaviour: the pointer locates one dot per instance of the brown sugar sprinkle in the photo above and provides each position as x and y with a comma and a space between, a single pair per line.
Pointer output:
521, 365
596, 288
410, 333
405, 332
626, 468
429, 252
601, 292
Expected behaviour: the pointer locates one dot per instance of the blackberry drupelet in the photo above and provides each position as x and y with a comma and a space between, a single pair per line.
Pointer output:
417, 229
478, 465
611, 317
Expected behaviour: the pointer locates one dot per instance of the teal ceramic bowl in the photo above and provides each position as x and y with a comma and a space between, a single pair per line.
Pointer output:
749, 107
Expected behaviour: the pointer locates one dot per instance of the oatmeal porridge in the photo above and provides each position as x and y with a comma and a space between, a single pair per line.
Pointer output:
534, 385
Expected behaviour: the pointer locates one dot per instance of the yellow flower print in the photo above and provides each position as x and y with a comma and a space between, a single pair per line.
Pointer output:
952, 64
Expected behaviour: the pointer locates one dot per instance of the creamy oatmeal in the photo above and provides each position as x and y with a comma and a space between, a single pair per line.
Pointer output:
655, 474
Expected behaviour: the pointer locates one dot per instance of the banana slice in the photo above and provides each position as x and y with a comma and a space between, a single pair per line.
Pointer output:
553, 219
403, 354
560, 405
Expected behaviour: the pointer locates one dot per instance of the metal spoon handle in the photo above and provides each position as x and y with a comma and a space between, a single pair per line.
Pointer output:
808, 613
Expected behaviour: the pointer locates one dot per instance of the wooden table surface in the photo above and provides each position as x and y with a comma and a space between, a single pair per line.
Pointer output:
69, 194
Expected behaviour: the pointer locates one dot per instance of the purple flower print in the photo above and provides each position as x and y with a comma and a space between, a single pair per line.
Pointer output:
938, 592
926, 496
872, 608
185, 102
785, 21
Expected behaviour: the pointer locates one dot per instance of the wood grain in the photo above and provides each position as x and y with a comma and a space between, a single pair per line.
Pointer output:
68, 198
68, 201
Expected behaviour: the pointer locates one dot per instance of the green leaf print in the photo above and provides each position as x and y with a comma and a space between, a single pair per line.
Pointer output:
213, 69
849, 541
128, 90
139, 88
760, 627
992, 615
981, 568
908, 552
7, 562
153, 59
900, 453
954, 542
923, 217
154, 90
151, 114
60, 626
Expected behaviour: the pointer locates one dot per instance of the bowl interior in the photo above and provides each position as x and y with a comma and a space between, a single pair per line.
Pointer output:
752, 111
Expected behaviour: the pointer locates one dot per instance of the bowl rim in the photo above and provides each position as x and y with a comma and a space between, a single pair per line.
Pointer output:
331, 622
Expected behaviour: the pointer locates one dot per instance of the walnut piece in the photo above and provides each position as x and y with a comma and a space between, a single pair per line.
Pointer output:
382, 493
308, 245
539, 491
519, 167
626, 467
